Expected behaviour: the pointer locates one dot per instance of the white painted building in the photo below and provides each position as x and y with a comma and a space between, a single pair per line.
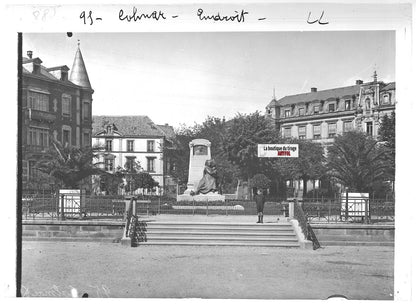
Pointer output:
130, 140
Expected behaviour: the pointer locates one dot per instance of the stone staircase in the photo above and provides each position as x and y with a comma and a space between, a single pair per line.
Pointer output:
280, 234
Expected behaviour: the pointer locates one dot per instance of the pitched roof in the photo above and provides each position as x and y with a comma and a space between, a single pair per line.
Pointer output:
389, 86
79, 75
326, 94
43, 72
168, 130
318, 95
130, 126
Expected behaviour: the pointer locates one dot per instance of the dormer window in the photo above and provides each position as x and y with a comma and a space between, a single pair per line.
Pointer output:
287, 113
301, 111
316, 109
331, 107
109, 129
386, 99
347, 104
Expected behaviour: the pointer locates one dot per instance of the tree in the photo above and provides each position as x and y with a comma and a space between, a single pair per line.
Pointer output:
69, 165
387, 135
212, 129
309, 165
260, 181
243, 135
357, 161
387, 131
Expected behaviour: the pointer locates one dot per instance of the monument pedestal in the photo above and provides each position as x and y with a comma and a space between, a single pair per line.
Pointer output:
210, 197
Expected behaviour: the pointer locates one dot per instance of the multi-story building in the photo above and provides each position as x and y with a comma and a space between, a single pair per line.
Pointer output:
54, 106
130, 140
321, 115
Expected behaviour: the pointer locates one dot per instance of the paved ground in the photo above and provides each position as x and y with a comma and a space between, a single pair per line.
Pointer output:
111, 270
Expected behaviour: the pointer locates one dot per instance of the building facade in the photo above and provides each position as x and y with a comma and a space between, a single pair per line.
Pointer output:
130, 140
321, 115
56, 104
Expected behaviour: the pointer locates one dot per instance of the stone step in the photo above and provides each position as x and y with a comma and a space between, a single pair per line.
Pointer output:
33, 233
217, 233
355, 238
218, 243
74, 239
356, 243
219, 238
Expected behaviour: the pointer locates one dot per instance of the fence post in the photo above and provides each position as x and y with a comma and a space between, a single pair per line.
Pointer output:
62, 207
329, 209
292, 208
366, 208
346, 203
193, 204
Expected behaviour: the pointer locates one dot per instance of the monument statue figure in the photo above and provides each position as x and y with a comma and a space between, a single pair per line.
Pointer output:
208, 183
201, 165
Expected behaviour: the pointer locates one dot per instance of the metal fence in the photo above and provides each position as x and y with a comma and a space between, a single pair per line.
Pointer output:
50, 206
331, 211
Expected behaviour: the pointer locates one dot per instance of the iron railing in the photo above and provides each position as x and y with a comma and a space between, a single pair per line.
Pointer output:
325, 210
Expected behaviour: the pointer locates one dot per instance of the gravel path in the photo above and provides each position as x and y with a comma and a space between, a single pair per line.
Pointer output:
111, 270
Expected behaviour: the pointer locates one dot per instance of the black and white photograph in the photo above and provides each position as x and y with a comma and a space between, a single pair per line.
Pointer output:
212, 163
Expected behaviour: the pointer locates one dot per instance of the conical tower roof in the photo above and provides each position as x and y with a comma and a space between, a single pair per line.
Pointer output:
79, 75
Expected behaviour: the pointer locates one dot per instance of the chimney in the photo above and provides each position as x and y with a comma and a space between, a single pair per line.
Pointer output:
29, 54
358, 82
314, 89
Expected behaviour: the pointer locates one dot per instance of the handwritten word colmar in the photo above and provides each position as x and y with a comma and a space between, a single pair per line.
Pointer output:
156, 15
239, 16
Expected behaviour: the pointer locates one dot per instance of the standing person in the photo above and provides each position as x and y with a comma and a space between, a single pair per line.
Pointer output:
259, 198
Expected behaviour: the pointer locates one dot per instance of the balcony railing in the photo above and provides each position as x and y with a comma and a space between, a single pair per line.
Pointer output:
38, 115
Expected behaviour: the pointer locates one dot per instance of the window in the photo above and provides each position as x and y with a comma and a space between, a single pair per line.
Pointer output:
109, 164
86, 139
332, 130
287, 132
302, 111
86, 111
316, 109
316, 131
348, 126
38, 101
369, 128
38, 137
368, 103
150, 146
32, 171
302, 132
130, 145
150, 164
347, 104
130, 162
66, 136
386, 99
66, 106
108, 145
331, 107
287, 113
109, 129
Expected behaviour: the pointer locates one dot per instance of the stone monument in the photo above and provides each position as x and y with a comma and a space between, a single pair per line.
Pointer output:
202, 175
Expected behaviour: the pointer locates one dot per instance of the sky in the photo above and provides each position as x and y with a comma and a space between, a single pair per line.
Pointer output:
181, 78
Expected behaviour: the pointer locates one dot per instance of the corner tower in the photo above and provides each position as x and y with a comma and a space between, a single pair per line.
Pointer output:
83, 103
